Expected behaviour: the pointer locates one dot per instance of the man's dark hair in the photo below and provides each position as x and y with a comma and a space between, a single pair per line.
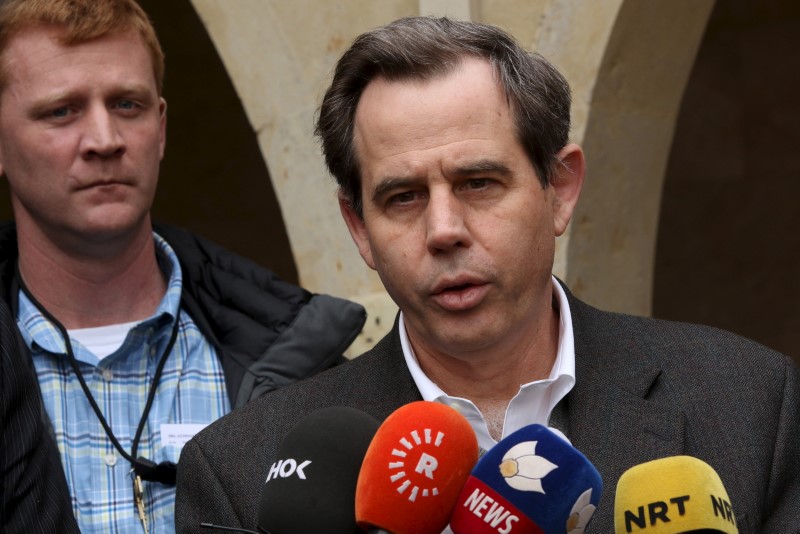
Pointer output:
422, 48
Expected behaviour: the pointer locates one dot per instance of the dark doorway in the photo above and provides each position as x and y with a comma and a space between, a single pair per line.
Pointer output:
214, 180
728, 250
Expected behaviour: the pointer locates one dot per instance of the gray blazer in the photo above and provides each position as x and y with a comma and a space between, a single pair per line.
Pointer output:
645, 389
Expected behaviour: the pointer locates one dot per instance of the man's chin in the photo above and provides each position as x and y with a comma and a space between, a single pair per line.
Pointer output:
460, 338
114, 232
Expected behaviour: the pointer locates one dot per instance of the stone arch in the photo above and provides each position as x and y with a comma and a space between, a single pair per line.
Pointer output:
627, 138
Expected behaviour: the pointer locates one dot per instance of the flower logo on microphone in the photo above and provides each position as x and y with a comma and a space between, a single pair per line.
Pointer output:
522, 469
581, 513
422, 465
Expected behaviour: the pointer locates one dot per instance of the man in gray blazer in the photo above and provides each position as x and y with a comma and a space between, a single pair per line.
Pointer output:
449, 145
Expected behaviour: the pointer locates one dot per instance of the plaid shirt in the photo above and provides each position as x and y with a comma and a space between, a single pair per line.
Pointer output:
191, 391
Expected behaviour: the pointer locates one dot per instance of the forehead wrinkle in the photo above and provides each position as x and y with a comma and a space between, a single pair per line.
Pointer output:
439, 128
38, 53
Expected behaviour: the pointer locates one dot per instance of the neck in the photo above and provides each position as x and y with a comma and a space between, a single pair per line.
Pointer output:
492, 377
95, 285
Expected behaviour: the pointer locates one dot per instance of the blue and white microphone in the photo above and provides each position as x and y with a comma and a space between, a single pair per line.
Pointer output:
531, 482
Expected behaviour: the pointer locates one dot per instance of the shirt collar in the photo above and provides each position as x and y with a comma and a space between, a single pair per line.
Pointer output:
170, 265
39, 333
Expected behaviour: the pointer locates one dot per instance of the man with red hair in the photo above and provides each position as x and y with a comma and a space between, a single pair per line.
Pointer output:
139, 335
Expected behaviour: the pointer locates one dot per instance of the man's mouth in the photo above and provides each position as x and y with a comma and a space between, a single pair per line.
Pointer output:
99, 184
456, 287
456, 283
459, 295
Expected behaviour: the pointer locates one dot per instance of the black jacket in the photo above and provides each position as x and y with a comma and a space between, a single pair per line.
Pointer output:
267, 332
33, 491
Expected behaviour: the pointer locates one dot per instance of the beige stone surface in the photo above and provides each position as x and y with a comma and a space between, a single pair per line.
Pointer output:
455, 9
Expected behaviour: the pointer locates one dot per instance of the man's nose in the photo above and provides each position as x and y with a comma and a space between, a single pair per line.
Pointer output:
102, 137
446, 222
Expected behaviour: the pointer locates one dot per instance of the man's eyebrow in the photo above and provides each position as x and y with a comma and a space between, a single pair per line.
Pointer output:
391, 183
472, 168
45, 102
132, 88
481, 166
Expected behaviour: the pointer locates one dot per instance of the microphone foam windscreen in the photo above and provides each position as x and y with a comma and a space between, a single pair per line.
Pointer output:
311, 486
414, 469
532, 481
672, 495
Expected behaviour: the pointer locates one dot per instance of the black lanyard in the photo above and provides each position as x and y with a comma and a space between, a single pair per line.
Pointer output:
164, 472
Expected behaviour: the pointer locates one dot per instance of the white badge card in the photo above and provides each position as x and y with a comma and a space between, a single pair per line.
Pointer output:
178, 434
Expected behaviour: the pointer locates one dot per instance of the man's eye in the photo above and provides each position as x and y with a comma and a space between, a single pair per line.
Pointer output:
403, 198
477, 183
127, 105
59, 113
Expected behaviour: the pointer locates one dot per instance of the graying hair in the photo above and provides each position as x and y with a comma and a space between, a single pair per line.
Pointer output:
424, 48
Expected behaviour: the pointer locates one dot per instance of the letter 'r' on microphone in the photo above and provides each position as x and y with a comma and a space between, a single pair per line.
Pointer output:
311, 485
414, 469
673, 495
531, 482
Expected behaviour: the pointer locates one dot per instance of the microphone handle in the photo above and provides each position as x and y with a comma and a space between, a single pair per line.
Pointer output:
378, 531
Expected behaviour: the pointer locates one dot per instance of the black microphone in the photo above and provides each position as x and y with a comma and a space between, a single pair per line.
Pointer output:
311, 486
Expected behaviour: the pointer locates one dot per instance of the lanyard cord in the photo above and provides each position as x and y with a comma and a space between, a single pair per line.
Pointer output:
165, 472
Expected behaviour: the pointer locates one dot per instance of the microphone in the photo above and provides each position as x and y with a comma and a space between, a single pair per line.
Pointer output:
414, 469
312, 484
673, 495
532, 482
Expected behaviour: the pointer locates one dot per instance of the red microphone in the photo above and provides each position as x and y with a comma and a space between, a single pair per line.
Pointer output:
414, 470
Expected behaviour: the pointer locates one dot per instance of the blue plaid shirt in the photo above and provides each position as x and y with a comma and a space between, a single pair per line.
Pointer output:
191, 391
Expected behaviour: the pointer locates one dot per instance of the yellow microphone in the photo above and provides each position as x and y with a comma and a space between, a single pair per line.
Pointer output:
674, 495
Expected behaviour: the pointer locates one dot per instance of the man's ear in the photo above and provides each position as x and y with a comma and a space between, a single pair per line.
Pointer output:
2, 163
567, 183
162, 117
358, 230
